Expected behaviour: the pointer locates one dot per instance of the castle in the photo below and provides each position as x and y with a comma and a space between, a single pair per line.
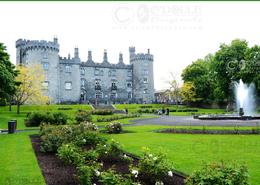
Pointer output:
71, 80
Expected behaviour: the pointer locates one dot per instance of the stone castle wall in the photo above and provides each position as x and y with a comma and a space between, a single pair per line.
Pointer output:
72, 80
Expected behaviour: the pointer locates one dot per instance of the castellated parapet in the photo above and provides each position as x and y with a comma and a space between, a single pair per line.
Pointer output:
69, 79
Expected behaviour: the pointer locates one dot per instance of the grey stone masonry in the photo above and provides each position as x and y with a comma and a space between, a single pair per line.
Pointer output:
71, 80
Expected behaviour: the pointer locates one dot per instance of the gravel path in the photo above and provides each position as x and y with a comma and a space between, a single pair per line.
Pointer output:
189, 121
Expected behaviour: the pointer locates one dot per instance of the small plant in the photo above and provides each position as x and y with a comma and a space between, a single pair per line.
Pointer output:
71, 154
114, 128
83, 116
219, 173
110, 178
86, 174
153, 167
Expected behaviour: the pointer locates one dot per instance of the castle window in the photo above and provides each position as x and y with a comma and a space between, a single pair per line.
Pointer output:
109, 73
82, 71
45, 85
68, 85
113, 72
45, 55
145, 91
83, 82
113, 86
129, 73
145, 80
96, 72
129, 84
97, 84
129, 95
45, 66
146, 72
99, 95
101, 73
67, 68
113, 95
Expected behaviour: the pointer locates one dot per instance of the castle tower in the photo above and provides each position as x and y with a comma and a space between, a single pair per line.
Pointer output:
46, 54
143, 80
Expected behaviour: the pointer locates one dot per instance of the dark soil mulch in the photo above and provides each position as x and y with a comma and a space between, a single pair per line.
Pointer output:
56, 172
53, 169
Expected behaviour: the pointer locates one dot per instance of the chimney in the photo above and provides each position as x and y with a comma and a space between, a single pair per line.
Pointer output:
76, 52
89, 56
120, 58
105, 56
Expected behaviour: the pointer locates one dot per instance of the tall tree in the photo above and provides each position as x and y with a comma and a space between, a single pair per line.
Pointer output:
30, 89
7, 74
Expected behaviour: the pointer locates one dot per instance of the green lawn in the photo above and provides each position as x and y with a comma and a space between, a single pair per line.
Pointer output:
6, 115
188, 151
18, 164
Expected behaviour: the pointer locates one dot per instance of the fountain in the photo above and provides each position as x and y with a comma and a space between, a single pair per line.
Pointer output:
245, 104
245, 99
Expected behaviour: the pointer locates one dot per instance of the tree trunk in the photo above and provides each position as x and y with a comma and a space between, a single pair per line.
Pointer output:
18, 108
10, 103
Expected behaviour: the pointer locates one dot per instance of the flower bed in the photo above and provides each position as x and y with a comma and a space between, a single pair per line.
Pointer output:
95, 160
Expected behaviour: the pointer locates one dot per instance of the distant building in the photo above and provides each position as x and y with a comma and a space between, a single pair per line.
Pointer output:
163, 96
71, 80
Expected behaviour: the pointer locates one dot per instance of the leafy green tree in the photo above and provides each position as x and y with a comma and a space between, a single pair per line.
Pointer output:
7, 74
198, 73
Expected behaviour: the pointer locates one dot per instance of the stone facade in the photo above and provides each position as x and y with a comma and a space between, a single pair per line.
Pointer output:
71, 80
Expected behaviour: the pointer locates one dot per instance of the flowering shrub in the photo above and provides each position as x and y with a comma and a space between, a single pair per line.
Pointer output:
114, 128
219, 173
112, 152
89, 138
154, 167
89, 126
71, 154
53, 137
82, 116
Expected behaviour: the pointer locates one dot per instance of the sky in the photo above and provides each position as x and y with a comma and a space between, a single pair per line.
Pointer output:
177, 33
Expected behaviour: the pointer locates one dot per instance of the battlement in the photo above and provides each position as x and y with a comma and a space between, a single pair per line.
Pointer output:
38, 44
141, 56
106, 65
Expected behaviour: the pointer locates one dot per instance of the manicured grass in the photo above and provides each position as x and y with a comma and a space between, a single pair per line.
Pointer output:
18, 164
188, 152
